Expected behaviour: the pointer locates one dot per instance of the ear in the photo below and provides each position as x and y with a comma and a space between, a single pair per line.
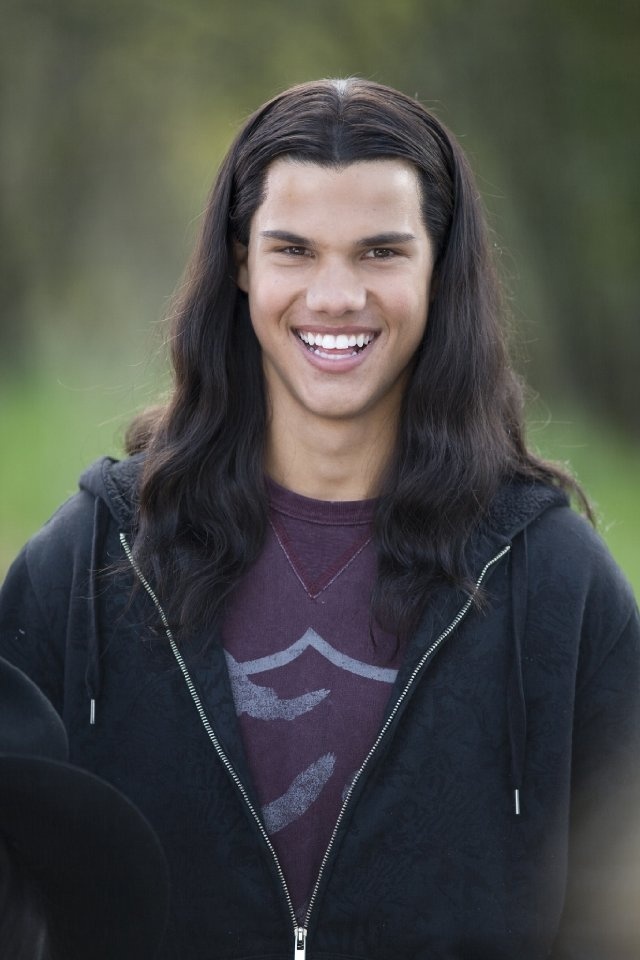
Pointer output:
241, 256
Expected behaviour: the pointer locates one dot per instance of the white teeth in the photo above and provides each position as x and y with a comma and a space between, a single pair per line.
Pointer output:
340, 341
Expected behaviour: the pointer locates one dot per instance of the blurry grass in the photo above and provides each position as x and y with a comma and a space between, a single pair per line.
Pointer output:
51, 430
608, 468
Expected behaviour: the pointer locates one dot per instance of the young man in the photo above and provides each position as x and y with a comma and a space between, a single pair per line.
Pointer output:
332, 626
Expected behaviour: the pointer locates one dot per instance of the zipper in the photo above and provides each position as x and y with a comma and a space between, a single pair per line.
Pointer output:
300, 946
461, 614
300, 932
214, 740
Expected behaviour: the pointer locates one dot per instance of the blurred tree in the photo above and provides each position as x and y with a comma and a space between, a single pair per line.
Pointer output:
113, 117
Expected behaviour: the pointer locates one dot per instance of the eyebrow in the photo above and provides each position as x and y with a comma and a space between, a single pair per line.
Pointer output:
386, 239
293, 238
377, 240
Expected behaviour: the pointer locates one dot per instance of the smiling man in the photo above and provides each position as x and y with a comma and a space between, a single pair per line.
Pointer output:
339, 314
331, 625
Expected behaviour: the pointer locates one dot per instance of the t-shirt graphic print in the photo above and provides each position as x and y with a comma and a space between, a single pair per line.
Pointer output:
309, 685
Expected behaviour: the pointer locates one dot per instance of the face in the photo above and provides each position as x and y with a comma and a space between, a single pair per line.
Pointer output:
337, 272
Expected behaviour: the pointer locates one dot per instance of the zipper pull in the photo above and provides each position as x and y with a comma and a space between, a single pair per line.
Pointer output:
300, 945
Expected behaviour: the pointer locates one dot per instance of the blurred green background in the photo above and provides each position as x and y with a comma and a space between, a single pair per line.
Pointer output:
114, 117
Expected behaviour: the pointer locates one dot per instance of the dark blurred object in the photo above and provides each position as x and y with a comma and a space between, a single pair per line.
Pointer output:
82, 873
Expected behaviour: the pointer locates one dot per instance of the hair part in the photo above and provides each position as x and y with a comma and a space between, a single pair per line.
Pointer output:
203, 504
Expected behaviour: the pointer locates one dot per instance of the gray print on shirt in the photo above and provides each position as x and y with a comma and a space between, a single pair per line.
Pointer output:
312, 639
301, 793
263, 703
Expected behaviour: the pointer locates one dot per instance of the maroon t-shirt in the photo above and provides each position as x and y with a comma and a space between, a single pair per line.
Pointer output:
309, 685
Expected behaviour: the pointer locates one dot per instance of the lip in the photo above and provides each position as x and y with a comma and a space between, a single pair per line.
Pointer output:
348, 330
339, 361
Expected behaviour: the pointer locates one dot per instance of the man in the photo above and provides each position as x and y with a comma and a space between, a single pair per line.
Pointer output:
332, 626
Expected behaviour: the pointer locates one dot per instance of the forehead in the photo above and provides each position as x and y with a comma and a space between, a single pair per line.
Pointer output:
367, 195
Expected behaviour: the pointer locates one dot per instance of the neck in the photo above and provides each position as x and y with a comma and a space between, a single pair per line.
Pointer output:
330, 460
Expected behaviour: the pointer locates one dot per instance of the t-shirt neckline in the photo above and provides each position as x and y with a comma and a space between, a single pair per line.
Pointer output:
296, 505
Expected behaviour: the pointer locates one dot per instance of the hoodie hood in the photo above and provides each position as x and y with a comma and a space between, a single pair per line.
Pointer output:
115, 483
520, 502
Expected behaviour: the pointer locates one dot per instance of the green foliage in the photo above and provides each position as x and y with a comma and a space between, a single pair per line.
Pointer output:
52, 427
116, 115
607, 464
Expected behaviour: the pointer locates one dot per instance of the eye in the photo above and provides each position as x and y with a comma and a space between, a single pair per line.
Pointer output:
293, 251
381, 253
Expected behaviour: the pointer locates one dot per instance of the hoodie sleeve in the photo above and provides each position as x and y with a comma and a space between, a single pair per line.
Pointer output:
601, 919
43, 598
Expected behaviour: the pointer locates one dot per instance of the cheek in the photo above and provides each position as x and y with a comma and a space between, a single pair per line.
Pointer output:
267, 297
410, 311
269, 315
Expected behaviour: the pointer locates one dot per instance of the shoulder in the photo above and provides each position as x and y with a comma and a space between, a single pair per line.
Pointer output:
564, 545
61, 550
36, 596
561, 570
577, 592
65, 536
563, 549
46, 600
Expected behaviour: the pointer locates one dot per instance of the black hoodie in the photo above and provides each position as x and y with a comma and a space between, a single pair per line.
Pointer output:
497, 816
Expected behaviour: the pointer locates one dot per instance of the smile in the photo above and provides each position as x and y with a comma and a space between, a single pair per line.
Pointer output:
335, 346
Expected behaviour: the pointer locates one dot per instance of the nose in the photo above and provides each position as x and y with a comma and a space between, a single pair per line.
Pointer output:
336, 289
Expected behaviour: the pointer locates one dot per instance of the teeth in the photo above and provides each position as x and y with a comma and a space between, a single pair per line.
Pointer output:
341, 341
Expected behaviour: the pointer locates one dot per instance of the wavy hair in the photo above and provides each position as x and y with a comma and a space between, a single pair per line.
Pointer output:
202, 501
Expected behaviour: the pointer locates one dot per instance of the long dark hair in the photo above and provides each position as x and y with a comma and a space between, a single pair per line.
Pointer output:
202, 506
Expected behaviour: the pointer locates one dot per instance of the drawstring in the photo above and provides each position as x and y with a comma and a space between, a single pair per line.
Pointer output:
92, 677
516, 706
